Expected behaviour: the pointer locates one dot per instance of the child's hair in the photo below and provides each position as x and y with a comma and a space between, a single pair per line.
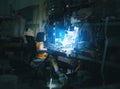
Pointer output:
40, 36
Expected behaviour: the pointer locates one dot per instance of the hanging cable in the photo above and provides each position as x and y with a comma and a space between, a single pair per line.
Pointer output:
105, 50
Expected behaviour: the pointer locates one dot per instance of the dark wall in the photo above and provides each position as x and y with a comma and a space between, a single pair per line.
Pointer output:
4, 8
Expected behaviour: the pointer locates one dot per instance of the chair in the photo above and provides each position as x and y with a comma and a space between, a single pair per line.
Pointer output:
30, 50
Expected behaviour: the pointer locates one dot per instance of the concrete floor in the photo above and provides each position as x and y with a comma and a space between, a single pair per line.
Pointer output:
20, 77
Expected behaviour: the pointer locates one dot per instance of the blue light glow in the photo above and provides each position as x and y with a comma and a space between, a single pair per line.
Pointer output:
70, 37
67, 39
64, 39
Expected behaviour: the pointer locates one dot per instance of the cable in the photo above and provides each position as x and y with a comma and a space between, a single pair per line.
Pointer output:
105, 50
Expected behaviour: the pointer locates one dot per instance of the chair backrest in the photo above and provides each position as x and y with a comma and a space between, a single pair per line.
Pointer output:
31, 45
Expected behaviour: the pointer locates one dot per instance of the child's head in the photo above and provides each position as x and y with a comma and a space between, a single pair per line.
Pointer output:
40, 36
